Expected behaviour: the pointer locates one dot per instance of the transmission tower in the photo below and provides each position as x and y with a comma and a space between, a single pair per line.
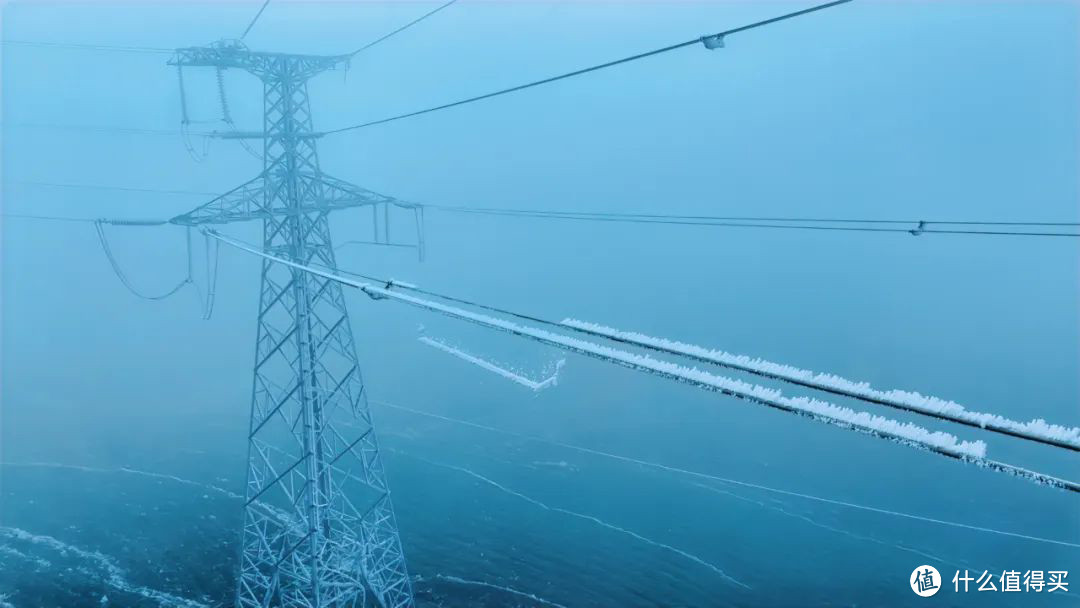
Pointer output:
318, 528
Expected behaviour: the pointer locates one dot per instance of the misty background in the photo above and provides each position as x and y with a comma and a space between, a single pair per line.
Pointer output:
880, 110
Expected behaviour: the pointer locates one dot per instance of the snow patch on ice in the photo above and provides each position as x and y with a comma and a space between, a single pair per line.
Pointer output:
42, 564
113, 574
555, 464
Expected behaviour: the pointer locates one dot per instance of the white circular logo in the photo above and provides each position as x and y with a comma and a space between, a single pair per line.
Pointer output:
925, 581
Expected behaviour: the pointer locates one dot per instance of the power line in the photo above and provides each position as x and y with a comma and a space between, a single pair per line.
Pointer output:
89, 47
106, 129
254, 19
917, 227
710, 41
49, 218
115, 188
247, 30
914, 227
400, 29
606, 214
88, 220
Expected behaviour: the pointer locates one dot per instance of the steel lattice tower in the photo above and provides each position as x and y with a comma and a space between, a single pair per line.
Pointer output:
319, 528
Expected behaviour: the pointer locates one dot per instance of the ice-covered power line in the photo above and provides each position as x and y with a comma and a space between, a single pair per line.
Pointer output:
943, 443
727, 480
711, 41
863, 422
939, 442
1037, 430
400, 29
491, 367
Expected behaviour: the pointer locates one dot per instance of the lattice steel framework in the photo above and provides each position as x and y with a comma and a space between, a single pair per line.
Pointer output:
319, 528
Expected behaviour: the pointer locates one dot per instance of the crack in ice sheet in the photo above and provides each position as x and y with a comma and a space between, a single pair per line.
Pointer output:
511, 590
590, 518
673, 469
128, 470
280, 514
813, 522
114, 575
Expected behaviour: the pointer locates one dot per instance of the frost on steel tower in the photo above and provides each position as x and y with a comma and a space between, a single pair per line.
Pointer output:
319, 528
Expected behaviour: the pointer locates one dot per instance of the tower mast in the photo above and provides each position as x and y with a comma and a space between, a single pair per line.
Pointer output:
319, 528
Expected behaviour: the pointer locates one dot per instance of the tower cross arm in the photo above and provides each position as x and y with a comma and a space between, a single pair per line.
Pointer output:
249, 201
233, 54
242, 203
340, 194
